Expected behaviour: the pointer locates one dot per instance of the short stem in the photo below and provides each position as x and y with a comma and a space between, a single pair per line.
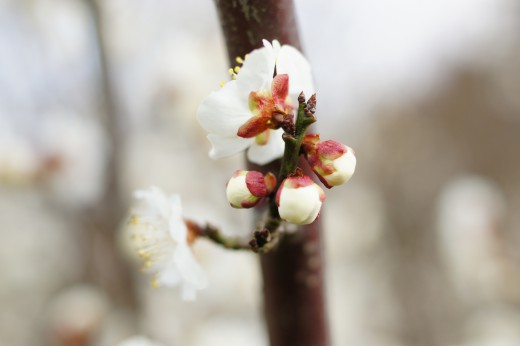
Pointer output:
293, 143
291, 154
215, 235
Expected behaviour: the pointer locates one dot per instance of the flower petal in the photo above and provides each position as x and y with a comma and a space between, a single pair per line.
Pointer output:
275, 45
169, 275
257, 71
156, 199
189, 268
226, 146
222, 112
178, 230
293, 63
263, 154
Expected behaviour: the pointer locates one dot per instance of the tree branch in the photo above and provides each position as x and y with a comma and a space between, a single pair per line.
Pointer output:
292, 272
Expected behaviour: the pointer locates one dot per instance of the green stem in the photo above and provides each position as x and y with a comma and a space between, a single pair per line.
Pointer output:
291, 154
216, 236
293, 143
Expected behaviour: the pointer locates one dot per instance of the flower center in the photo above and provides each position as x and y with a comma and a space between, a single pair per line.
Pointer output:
153, 245
269, 109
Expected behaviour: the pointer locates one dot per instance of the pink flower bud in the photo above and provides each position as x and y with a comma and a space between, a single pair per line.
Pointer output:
299, 200
333, 162
246, 189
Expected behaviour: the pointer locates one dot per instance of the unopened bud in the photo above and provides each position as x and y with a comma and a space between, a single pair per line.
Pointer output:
246, 189
299, 200
333, 162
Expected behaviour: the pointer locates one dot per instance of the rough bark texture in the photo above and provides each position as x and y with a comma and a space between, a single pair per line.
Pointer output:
293, 277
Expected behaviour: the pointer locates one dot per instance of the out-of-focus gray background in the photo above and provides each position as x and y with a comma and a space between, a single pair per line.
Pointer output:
422, 244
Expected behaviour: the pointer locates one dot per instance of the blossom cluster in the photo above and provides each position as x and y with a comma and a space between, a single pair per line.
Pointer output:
262, 110
256, 111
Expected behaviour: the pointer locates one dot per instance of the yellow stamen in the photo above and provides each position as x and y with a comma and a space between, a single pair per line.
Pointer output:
134, 220
222, 84
155, 283
239, 60
237, 69
230, 71
234, 77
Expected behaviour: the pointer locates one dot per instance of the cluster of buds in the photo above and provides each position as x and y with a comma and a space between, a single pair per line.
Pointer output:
298, 198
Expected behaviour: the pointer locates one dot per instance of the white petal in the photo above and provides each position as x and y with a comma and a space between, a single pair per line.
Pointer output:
290, 61
169, 275
223, 111
227, 146
344, 167
276, 47
299, 205
156, 200
189, 268
272, 150
257, 71
237, 191
175, 207
178, 230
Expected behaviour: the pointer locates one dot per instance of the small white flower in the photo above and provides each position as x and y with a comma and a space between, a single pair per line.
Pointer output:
224, 112
139, 340
299, 200
74, 151
160, 236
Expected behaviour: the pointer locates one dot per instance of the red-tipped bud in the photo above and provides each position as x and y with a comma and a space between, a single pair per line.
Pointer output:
299, 200
333, 162
246, 189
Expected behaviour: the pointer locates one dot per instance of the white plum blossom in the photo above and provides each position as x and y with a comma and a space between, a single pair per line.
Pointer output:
240, 115
73, 150
139, 340
161, 238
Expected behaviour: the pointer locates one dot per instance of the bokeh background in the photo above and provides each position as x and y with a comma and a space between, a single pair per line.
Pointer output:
99, 98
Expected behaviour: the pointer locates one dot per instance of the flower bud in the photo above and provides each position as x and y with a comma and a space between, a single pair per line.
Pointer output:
333, 162
246, 189
299, 200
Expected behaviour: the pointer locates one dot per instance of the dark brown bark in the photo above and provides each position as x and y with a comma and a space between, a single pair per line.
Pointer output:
293, 276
